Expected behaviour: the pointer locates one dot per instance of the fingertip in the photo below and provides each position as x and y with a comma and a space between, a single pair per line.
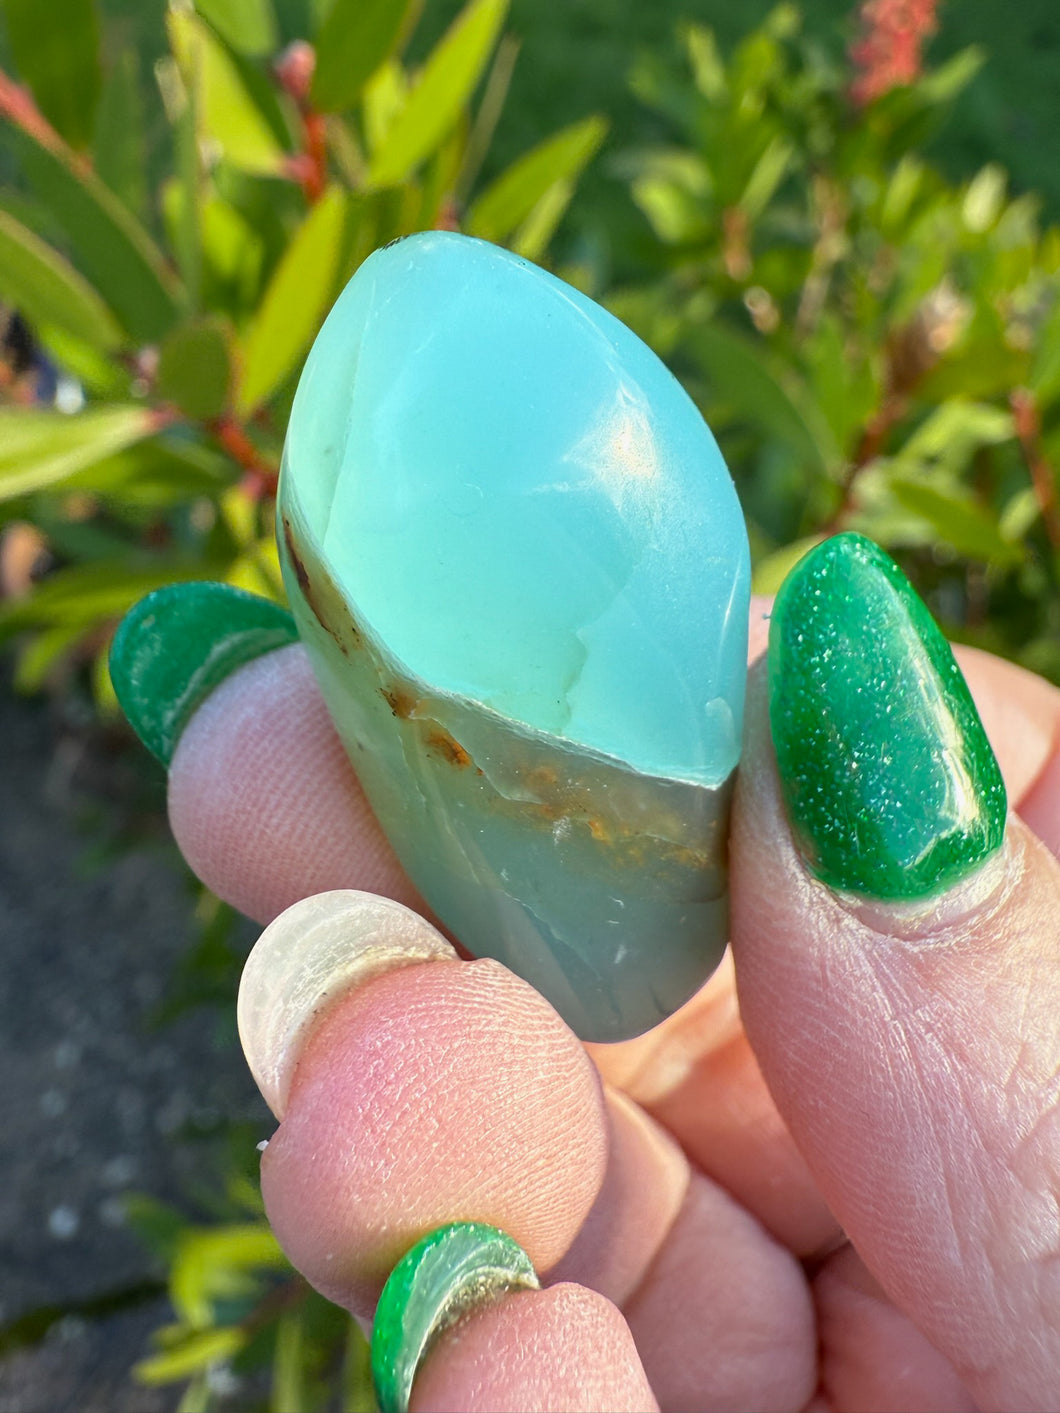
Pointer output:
910, 1048
264, 803
561, 1350
443, 1092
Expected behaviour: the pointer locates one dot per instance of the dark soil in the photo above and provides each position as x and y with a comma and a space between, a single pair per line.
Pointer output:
101, 1102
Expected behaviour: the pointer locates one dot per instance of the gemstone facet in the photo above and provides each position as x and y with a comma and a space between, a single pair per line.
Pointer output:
517, 560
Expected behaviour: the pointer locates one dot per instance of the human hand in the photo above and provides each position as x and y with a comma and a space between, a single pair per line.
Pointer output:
848, 1200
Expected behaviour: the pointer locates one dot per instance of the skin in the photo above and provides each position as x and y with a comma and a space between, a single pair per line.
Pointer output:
838, 1194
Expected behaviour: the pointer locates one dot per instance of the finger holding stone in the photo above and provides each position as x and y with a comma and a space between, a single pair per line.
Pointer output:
418, 1090
463, 1323
263, 801
562, 1350
899, 977
422, 1091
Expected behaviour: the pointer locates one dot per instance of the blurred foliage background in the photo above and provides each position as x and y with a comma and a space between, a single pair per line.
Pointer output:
840, 239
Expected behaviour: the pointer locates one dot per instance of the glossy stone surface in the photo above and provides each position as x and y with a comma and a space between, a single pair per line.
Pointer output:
891, 786
519, 564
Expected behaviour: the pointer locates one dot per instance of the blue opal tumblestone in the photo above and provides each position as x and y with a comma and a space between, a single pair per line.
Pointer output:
519, 565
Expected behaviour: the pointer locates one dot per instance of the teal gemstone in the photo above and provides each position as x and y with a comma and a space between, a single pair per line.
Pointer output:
518, 562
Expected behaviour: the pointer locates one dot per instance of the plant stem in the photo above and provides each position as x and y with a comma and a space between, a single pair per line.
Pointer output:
261, 475
1043, 478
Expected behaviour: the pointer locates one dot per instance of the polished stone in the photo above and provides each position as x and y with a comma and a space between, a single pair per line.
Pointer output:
519, 564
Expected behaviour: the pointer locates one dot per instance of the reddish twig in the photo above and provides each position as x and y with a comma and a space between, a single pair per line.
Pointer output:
447, 217
260, 476
294, 73
1028, 422
18, 107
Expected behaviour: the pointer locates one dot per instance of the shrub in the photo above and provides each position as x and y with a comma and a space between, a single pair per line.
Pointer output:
875, 347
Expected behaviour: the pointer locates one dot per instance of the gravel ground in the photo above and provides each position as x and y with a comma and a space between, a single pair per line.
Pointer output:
99, 1102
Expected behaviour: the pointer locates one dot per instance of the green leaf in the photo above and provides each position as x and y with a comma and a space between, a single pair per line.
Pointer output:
100, 375
197, 1350
741, 378
120, 148
1044, 379
844, 382
532, 238
87, 593
247, 25
985, 198
155, 474
194, 368
38, 449
198, 1396
289, 1393
56, 51
104, 697
445, 85
769, 171
294, 302
957, 520
945, 83
228, 115
113, 249
214, 1263
385, 95
41, 654
708, 67
953, 432
49, 291
358, 1392
508, 201
770, 572
355, 38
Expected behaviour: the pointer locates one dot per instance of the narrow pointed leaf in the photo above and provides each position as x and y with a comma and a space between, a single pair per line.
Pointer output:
47, 289
957, 520
532, 238
113, 250
200, 1349
448, 79
509, 200
740, 380
120, 148
38, 449
228, 115
56, 51
355, 38
247, 25
294, 303
87, 593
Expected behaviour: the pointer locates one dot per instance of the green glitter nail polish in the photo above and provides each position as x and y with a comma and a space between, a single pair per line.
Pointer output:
176, 645
891, 787
449, 1272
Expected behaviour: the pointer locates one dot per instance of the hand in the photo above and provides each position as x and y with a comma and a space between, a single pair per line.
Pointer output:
848, 1200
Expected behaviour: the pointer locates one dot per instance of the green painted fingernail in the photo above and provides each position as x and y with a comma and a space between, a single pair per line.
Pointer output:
891, 786
449, 1272
176, 645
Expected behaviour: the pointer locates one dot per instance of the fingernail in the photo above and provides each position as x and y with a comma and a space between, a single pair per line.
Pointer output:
176, 645
451, 1271
316, 951
891, 787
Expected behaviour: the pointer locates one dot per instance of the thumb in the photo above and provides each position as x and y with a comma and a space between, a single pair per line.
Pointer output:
898, 968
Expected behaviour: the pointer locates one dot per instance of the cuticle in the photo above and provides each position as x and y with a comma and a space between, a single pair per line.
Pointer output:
916, 922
